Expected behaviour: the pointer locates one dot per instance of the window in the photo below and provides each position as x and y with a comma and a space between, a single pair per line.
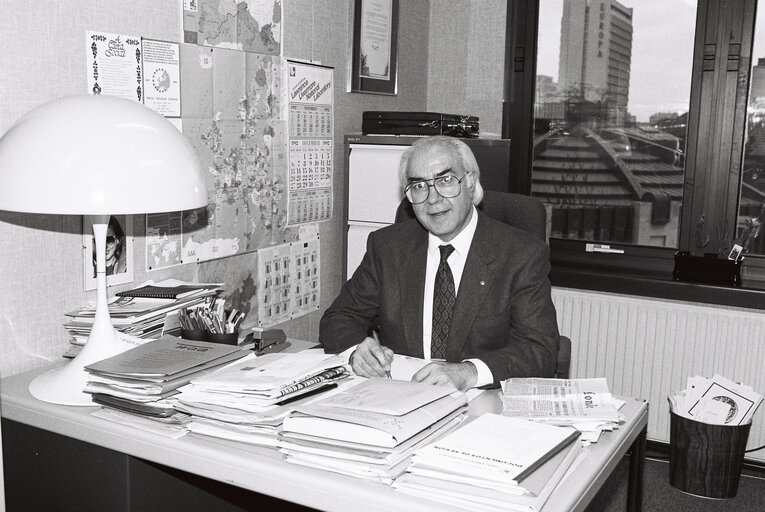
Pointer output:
610, 118
634, 122
750, 232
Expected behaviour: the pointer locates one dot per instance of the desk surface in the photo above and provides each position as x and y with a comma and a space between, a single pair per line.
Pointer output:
262, 469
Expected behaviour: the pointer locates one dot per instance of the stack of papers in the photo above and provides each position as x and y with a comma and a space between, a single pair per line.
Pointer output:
140, 315
248, 400
370, 429
493, 462
143, 380
585, 404
717, 401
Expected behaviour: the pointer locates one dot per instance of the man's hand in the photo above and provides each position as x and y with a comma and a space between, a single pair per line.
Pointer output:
370, 359
462, 376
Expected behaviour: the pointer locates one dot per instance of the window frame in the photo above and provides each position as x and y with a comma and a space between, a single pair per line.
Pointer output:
714, 152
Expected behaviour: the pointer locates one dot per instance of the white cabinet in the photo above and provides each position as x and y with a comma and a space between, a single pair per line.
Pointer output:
374, 193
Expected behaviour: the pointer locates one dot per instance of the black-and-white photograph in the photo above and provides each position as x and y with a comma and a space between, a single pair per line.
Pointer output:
119, 251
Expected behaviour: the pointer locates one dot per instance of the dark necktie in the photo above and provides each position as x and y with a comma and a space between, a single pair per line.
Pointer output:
443, 305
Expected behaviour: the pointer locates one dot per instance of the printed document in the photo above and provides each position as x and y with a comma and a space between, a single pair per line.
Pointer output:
558, 399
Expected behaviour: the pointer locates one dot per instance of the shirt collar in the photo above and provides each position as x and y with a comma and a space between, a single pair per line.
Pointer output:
461, 242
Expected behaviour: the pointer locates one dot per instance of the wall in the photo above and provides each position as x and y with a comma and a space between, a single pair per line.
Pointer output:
43, 58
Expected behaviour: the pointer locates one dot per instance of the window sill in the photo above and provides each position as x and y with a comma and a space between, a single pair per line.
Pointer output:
658, 287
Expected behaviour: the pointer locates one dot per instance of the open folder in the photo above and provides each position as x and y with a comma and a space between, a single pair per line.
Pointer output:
376, 411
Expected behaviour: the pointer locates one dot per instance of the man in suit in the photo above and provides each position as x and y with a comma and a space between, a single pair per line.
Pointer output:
482, 315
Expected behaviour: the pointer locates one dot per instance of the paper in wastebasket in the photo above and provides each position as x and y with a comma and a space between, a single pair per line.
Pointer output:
718, 401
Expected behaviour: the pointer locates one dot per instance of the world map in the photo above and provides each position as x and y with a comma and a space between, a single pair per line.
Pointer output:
250, 25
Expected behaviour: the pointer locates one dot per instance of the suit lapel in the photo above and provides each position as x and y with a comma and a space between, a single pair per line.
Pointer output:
411, 280
476, 279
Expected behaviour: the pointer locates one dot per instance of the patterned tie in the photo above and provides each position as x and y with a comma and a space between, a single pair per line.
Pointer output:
443, 304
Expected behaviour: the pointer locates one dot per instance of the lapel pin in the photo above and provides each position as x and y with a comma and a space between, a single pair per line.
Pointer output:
482, 283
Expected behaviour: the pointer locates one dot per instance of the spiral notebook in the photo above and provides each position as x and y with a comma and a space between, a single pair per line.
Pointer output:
167, 292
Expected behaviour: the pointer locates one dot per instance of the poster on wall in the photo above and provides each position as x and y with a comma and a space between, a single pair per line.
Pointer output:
161, 77
231, 105
163, 240
311, 124
119, 251
374, 66
288, 281
114, 65
249, 25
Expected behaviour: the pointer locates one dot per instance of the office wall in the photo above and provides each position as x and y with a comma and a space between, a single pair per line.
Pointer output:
43, 58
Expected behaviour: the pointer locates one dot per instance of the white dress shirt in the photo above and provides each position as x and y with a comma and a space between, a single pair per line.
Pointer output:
456, 261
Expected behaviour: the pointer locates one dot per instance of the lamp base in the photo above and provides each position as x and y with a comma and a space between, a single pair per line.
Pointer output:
65, 385
62, 386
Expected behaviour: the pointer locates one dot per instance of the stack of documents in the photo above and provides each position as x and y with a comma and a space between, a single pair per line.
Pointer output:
248, 400
717, 401
143, 380
585, 404
493, 462
142, 312
370, 429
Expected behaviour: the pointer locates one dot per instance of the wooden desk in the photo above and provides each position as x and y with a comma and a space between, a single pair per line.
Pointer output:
63, 458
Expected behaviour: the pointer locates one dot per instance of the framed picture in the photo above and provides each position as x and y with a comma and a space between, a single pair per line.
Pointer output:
119, 251
375, 47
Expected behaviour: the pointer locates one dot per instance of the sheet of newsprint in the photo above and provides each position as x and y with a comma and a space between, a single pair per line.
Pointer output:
311, 125
558, 398
161, 77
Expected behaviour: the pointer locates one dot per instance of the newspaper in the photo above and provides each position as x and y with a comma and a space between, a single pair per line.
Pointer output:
585, 404
716, 401
559, 400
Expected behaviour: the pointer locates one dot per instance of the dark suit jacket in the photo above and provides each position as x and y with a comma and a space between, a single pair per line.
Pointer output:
503, 314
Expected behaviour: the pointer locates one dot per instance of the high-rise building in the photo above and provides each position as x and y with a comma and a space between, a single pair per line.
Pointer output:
757, 94
595, 55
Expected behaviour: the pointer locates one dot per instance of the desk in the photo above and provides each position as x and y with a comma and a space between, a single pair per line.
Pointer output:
51, 438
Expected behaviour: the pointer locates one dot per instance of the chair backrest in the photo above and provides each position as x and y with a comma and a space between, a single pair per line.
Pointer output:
523, 212
563, 365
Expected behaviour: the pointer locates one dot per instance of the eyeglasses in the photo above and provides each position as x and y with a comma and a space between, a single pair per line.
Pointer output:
447, 186
111, 239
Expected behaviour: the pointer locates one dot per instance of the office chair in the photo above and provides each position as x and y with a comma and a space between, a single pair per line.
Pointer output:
522, 212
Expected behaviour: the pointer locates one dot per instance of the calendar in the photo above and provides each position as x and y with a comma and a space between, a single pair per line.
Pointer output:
309, 185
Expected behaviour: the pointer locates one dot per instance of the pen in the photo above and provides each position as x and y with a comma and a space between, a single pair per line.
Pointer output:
377, 338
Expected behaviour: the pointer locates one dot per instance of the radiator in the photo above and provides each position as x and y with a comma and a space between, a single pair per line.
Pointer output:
647, 349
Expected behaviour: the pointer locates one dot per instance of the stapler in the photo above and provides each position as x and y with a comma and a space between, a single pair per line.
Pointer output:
266, 341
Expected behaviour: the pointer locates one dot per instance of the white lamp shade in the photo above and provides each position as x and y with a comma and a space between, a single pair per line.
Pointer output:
97, 155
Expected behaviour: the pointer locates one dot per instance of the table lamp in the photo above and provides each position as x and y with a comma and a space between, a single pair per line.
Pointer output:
96, 156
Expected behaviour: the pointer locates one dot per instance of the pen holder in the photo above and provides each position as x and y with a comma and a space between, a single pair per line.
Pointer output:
228, 338
706, 460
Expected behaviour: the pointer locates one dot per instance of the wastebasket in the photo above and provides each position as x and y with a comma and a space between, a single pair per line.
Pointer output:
706, 460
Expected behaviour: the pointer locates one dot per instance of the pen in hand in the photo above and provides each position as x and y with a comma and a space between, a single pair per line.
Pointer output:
377, 339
